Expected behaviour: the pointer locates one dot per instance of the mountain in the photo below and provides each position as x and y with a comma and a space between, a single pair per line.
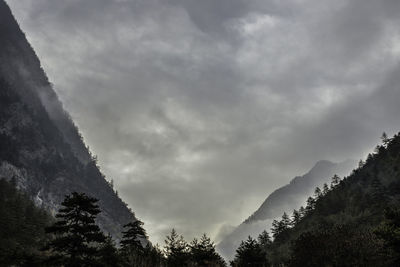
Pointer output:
284, 199
354, 223
40, 146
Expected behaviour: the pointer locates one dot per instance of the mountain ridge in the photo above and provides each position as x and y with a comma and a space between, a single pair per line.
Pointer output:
284, 199
354, 223
40, 145
308, 181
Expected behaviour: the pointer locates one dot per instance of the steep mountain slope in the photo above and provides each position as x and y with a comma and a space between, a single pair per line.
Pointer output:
39, 144
344, 221
289, 196
284, 199
21, 67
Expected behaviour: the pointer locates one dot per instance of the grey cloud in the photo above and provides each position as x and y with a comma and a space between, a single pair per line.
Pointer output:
199, 109
214, 16
210, 15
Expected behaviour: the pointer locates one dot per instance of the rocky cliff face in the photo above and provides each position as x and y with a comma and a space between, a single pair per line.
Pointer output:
284, 199
39, 144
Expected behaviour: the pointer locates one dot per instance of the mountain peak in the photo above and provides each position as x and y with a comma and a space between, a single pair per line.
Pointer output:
323, 163
40, 146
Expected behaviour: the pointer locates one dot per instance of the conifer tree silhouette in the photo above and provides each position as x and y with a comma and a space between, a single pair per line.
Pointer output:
76, 235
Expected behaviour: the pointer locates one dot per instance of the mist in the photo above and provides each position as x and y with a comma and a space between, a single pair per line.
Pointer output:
198, 110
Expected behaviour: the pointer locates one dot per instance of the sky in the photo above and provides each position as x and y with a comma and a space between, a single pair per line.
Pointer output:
199, 109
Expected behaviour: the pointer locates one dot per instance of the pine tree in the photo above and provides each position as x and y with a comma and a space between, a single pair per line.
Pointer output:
108, 253
77, 237
310, 204
265, 241
296, 217
176, 250
132, 236
385, 139
286, 221
280, 227
276, 228
335, 180
250, 253
317, 193
325, 189
302, 211
361, 163
153, 256
132, 249
203, 253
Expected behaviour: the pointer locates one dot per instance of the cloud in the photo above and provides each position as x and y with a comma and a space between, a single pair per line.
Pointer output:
199, 109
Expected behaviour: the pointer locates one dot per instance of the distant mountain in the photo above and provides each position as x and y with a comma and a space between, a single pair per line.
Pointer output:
40, 146
355, 223
284, 199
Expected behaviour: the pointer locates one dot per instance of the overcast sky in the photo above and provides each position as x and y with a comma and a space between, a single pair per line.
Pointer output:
198, 109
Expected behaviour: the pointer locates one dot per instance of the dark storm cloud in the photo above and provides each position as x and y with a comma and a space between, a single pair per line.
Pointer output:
199, 109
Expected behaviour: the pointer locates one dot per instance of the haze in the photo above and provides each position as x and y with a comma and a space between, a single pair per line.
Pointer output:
199, 109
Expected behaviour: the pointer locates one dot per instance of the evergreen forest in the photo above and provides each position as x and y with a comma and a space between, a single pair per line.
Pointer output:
353, 221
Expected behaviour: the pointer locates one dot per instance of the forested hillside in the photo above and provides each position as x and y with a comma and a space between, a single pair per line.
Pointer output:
353, 222
287, 197
22, 231
40, 147
29, 236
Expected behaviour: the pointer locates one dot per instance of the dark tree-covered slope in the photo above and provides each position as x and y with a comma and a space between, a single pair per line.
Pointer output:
39, 144
22, 227
354, 223
286, 198
291, 195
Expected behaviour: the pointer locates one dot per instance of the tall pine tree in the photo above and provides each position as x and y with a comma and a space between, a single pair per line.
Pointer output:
131, 246
77, 238
176, 250
250, 253
203, 253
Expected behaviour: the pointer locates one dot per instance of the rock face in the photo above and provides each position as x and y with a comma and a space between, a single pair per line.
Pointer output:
284, 199
40, 146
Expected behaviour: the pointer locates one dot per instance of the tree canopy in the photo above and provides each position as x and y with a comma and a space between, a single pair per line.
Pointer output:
76, 236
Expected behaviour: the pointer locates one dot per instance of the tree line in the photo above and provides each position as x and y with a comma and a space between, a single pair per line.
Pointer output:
74, 239
257, 252
353, 222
